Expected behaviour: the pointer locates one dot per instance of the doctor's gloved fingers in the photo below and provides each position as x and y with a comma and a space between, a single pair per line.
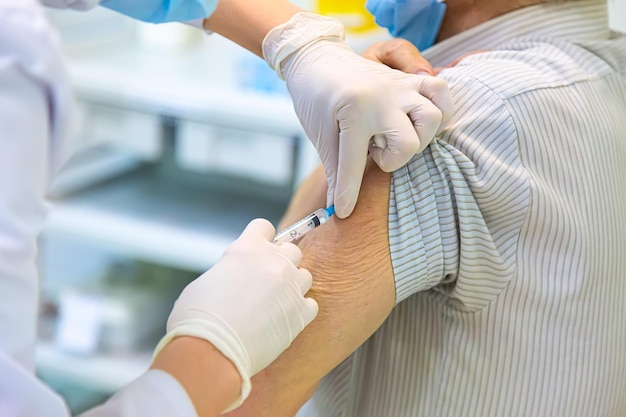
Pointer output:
303, 279
311, 308
427, 121
258, 229
354, 139
399, 54
402, 142
436, 90
290, 252
330, 162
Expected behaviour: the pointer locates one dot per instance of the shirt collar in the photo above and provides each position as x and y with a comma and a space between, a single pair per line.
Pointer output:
575, 20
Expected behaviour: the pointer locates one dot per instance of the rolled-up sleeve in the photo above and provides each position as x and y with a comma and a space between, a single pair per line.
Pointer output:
423, 234
456, 209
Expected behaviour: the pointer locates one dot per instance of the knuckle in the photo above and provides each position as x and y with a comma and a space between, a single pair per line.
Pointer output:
243, 247
439, 84
429, 116
408, 147
306, 274
395, 46
374, 50
435, 87
360, 96
237, 248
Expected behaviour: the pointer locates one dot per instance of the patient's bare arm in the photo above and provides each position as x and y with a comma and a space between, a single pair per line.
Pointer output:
310, 196
355, 290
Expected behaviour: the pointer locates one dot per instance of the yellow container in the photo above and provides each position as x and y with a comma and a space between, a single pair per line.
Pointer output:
352, 13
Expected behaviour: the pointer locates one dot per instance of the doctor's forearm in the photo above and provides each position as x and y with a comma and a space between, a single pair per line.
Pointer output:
247, 23
209, 378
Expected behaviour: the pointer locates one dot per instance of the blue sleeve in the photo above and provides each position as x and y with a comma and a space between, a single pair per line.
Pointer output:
160, 11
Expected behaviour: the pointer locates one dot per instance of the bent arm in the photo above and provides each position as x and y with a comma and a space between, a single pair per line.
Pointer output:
189, 378
252, 22
354, 287
209, 378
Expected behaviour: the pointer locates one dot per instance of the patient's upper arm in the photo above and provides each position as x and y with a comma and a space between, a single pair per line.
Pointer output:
354, 286
451, 220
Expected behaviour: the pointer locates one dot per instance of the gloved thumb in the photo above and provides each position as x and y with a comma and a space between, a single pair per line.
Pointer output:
353, 146
329, 162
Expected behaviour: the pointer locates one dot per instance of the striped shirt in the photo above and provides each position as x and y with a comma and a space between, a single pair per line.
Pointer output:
508, 236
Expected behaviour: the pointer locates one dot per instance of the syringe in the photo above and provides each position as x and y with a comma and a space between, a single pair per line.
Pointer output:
304, 226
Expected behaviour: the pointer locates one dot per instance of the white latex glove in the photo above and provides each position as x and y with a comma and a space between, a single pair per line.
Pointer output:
349, 105
250, 305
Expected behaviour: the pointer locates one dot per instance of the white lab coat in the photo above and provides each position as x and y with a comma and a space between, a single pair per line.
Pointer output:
35, 127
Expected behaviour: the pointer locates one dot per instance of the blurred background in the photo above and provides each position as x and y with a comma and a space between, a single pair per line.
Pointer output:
184, 137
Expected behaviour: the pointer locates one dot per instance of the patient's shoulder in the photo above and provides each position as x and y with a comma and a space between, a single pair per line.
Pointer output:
526, 64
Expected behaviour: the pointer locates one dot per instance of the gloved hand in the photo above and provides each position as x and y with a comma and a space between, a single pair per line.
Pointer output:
249, 305
349, 105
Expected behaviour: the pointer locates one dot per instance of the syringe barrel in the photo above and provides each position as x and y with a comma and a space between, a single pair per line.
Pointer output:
302, 227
